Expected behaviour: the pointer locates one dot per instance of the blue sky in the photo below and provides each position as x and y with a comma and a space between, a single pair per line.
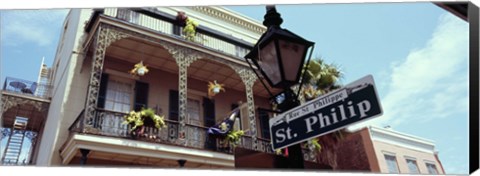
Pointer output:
417, 53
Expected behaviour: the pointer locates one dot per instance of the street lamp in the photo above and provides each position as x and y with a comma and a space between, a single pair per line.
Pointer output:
279, 55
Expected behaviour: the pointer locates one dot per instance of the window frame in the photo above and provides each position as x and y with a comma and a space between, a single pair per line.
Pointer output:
390, 154
123, 80
433, 164
407, 158
197, 96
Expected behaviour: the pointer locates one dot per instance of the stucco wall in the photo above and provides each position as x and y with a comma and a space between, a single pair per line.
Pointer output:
71, 75
66, 97
401, 153
161, 82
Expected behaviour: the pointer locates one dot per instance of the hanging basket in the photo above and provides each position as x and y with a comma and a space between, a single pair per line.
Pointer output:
141, 119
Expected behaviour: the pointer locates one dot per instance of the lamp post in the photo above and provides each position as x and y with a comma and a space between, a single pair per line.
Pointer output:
279, 55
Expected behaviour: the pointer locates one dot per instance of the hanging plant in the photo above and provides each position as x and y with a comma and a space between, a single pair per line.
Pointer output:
313, 145
234, 136
145, 117
190, 29
214, 88
189, 26
139, 69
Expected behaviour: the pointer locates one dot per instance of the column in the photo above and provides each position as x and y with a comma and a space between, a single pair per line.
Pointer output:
249, 78
104, 36
183, 57
83, 159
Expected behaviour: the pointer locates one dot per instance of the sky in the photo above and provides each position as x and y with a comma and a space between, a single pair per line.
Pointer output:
416, 52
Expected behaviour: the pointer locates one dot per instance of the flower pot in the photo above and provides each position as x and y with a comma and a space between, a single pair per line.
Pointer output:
141, 71
135, 134
216, 90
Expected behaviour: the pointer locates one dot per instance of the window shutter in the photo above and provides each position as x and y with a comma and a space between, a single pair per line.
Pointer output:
173, 105
209, 120
102, 94
264, 118
141, 95
209, 112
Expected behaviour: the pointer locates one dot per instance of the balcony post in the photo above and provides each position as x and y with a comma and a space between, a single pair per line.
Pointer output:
104, 36
83, 159
249, 78
183, 57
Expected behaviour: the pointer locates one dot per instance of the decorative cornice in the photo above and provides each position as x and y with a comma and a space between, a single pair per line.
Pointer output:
402, 140
230, 17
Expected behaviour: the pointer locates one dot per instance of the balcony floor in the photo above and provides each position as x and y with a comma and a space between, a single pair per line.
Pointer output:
122, 151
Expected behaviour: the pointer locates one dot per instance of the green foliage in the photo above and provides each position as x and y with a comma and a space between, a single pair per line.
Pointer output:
313, 144
190, 29
320, 78
234, 136
321, 75
317, 145
137, 119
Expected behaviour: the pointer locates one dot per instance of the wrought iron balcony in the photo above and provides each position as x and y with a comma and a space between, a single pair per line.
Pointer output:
109, 123
166, 25
24, 87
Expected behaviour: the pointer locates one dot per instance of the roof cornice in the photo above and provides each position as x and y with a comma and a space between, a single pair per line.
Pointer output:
231, 17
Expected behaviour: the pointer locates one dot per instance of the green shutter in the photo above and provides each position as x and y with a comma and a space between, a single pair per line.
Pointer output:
141, 95
173, 105
209, 120
264, 118
102, 93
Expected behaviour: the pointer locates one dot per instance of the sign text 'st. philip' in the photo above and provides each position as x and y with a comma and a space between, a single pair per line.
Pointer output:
336, 110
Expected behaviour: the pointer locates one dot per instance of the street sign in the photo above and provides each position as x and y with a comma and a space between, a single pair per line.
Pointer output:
355, 102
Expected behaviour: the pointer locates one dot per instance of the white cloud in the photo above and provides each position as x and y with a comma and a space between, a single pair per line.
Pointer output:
31, 26
432, 82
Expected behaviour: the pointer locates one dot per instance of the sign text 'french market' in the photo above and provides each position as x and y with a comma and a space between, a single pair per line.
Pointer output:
355, 102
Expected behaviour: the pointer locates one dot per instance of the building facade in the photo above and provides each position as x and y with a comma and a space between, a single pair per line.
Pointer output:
93, 90
88, 91
23, 113
379, 150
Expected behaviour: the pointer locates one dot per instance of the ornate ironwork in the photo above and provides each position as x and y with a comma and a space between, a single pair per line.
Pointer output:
12, 101
25, 87
104, 37
5, 133
184, 57
248, 77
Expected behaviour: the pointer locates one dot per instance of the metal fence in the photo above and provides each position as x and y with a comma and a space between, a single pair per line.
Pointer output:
110, 123
20, 86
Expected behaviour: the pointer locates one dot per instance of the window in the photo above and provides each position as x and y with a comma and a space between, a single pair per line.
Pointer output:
412, 166
193, 111
432, 169
195, 135
244, 119
119, 96
392, 164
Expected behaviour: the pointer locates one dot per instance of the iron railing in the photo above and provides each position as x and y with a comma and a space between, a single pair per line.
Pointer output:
20, 86
170, 28
110, 123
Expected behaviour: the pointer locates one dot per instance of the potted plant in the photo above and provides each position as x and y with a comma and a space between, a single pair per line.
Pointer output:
214, 88
139, 69
141, 119
233, 137
189, 26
